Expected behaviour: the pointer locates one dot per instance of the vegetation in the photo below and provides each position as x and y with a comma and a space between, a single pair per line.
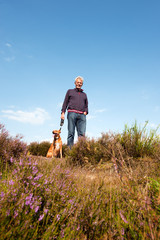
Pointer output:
39, 149
10, 148
103, 189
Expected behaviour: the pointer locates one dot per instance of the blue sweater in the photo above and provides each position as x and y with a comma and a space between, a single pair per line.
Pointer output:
75, 101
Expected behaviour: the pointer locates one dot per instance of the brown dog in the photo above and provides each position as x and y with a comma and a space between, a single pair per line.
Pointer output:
55, 149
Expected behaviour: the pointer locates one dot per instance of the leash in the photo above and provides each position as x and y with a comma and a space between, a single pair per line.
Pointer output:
61, 123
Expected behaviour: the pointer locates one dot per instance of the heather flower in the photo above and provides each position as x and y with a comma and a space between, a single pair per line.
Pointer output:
41, 217
46, 181
36, 209
15, 214
15, 171
21, 162
70, 201
28, 199
30, 196
115, 167
48, 190
46, 210
11, 159
35, 172
2, 194
58, 217
7, 212
122, 231
147, 200
62, 233
28, 202
11, 182
30, 177
123, 218
38, 177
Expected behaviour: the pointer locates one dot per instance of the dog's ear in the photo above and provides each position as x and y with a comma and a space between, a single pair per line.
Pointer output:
55, 131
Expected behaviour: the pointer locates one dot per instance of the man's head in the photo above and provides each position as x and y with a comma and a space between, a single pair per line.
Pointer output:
78, 82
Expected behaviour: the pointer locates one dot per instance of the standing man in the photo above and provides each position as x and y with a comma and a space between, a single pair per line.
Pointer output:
76, 103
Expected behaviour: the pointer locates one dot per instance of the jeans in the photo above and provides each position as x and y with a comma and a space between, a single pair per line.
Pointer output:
78, 121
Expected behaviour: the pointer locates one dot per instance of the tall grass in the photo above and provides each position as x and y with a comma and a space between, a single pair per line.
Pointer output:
133, 143
97, 192
42, 199
139, 142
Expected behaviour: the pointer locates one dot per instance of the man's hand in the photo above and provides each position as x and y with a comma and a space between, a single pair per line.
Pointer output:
85, 113
62, 115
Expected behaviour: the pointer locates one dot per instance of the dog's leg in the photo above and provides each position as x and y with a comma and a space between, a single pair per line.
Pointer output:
52, 149
61, 152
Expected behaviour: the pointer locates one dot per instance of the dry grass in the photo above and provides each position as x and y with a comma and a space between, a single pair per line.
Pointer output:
98, 191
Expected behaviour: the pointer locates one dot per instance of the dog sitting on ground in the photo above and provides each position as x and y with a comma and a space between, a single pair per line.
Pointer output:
55, 149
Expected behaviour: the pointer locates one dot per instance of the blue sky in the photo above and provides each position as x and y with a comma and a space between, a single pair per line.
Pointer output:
45, 44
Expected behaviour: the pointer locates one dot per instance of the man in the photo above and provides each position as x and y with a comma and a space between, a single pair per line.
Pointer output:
76, 103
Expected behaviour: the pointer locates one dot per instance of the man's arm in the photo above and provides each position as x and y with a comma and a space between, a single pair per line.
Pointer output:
65, 104
62, 115
86, 106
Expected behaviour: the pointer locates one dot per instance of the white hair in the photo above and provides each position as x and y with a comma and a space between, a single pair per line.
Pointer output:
79, 77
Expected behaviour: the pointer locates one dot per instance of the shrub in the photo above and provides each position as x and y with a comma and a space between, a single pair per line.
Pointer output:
111, 146
39, 149
10, 147
85, 151
138, 142
65, 150
133, 143
43, 148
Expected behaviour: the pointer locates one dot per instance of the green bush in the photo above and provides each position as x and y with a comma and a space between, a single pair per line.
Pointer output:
39, 149
138, 142
85, 151
132, 143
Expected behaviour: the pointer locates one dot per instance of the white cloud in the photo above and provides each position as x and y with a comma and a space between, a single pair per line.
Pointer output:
152, 125
89, 117
60, 105
29, 56
37, 117
144, 95
1, 52
11, 106
41, 139
9, 59
8, 45
156, 109
101, 110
